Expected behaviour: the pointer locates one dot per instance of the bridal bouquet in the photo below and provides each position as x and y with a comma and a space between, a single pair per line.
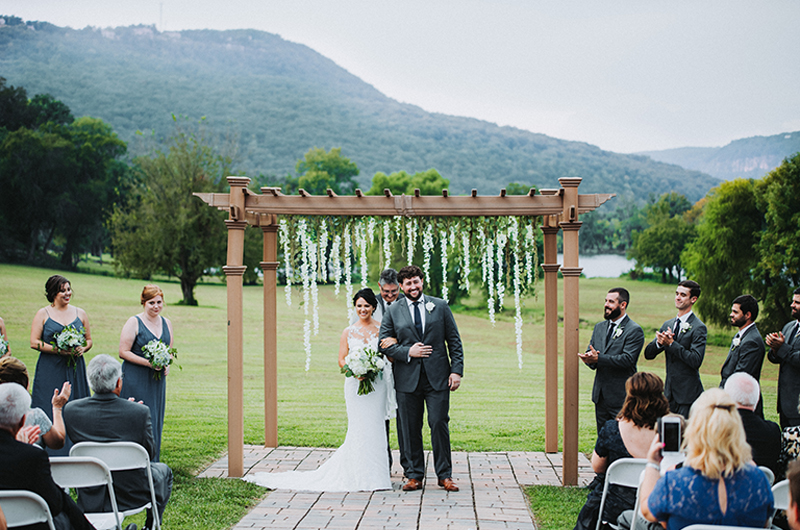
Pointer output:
365, 364
68, 339
159, 355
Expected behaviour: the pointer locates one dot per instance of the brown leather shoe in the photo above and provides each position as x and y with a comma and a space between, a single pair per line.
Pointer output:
412, 485
448, 484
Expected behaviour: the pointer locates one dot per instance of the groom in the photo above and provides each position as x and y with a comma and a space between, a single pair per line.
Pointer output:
428, 366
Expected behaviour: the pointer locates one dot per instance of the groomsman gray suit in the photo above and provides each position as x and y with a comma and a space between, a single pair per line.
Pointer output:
683, 341
613, 355
748, 355
106, 417
423, 380
785, 350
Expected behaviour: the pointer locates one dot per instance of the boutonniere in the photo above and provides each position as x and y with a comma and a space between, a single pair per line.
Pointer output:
618, 333
685, 326
429, 307
736, 341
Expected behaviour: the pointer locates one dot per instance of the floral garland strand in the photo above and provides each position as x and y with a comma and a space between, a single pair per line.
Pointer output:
465, 260
445, 290
387, 243
305, 275
488, 268
322, 252
348, 280
513, 236
427, 248
411, 238
336, 250
287, 259
361, 243
500, 244
312, 280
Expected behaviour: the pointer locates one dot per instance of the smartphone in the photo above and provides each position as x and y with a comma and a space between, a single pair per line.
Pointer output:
669, 431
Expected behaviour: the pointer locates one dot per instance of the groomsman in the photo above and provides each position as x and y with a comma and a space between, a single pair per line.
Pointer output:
612, 353
747, 347
683, 341
785, 350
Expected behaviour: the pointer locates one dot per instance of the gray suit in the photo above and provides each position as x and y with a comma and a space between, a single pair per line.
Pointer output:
788, 356
683, 359
423, 383
615, 364
109, 418
747, 357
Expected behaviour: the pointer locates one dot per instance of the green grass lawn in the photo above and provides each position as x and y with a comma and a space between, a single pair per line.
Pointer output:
498, 406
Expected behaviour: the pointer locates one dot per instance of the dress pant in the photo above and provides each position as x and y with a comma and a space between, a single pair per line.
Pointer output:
680, 408
412, 405
603, 411
788, 422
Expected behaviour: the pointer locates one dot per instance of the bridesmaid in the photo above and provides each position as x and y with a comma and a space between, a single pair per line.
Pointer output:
4, 337
140, 381
54, 366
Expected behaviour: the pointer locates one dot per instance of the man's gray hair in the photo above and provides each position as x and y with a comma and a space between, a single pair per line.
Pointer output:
15, 402
388, 276
743, 389
103, 373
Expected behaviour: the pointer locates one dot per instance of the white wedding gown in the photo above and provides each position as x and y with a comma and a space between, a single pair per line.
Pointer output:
361, 463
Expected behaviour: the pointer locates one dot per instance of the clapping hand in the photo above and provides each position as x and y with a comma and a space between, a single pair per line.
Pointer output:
590, 357
665, 338
60, 398
775, 340
29, 434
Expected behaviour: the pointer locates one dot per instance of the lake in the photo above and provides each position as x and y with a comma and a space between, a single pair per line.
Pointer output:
603, 265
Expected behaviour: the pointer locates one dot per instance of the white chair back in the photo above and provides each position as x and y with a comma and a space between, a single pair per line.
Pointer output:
84, 472
768, 472
781, 493
622, 472
22, 508
123, 456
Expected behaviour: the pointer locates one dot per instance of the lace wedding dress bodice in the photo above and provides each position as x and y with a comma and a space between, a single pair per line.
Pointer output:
361, 463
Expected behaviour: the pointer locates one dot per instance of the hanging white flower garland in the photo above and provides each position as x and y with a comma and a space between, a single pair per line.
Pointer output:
501, 247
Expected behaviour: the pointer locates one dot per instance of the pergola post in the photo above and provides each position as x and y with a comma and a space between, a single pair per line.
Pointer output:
269, 225
550, 266
234, 270
571, 272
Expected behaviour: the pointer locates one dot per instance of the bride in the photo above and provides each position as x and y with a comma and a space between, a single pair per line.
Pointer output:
361, 463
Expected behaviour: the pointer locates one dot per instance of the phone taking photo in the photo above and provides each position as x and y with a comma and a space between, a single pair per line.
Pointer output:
669, 432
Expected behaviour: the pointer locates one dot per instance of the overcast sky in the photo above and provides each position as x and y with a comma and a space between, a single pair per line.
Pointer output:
626, 75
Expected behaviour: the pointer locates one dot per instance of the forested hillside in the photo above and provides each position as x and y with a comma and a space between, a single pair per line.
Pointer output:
748, 157
278, 99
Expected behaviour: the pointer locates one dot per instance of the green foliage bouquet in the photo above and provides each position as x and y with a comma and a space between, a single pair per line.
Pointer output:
366, 365
3, 346
68, 339
160, 355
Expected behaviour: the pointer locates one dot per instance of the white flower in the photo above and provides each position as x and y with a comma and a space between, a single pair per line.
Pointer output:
685, 326
429, 306
618, 333
736, 341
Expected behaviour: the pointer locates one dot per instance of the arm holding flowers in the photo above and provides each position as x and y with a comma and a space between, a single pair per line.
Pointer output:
87, 333
126, 340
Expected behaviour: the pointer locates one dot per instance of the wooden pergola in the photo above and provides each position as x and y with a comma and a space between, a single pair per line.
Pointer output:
560, 209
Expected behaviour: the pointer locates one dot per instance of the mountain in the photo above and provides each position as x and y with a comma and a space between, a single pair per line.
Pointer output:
279, 99
749, 157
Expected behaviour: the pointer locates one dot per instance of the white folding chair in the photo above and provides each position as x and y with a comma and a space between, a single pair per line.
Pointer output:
636, 506
781, 493
123, 456
768, 472
622, 472
717, 527
84, 472
22, 508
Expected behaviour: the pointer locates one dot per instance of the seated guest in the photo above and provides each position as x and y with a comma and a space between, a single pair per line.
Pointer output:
718, 484
793, 513
763, 436
629, 435
12, 370
106, 417
25, 467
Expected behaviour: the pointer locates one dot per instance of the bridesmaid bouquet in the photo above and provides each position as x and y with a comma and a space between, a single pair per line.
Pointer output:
366, 365
68, 339
3, 346
159, 355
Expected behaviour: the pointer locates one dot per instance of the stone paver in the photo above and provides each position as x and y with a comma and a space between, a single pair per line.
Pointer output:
491, 496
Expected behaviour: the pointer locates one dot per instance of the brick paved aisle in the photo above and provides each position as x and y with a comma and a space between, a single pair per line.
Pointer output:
491, 494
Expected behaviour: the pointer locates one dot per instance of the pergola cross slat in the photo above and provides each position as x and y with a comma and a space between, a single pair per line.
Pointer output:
559, 208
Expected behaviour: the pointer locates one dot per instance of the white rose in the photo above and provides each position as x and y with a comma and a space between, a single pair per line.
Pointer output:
379, 364
429, 306
736, 341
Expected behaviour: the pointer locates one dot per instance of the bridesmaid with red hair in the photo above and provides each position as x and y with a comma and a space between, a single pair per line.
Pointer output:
140, 380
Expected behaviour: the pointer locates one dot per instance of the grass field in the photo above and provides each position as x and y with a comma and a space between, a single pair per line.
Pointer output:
498, 406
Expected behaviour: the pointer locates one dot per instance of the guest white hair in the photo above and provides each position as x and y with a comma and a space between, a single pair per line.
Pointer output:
103, 373
14, 404
743, 389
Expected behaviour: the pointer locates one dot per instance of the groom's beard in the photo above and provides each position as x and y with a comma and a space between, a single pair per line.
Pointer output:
413, 298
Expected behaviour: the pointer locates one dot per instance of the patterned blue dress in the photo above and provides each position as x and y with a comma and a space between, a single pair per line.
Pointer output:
684, 497
140, 381
51, 371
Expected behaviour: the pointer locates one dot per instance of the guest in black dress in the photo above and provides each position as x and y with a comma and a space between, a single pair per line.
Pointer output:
140, 381
629, 435
56, 366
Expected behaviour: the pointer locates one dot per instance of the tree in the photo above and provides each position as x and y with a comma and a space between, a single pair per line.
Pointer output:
725, 252
164, 228
778, 195
428, 182
319, 171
